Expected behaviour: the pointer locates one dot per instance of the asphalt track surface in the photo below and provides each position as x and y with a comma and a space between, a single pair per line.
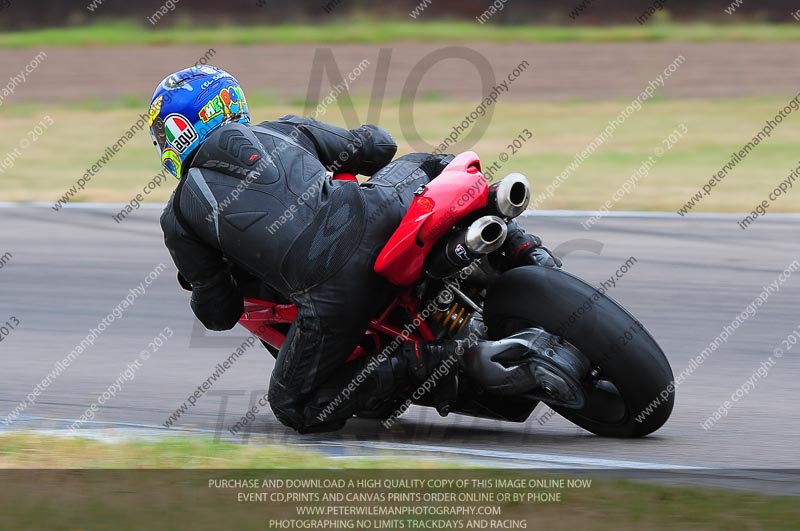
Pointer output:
71, 268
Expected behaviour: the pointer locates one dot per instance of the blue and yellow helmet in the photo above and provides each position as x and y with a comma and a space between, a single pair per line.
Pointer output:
187, 106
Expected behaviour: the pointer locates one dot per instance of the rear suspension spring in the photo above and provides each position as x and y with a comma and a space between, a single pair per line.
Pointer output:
454, 318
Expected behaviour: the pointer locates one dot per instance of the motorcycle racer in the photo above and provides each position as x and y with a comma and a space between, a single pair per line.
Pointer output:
264, 199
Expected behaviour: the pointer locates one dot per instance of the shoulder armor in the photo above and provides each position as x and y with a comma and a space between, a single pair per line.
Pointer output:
233, 150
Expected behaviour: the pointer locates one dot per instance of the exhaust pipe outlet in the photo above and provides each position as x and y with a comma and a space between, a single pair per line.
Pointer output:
511, 196
484, 235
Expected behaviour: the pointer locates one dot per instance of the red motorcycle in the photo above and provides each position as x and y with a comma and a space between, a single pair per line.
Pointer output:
533, 333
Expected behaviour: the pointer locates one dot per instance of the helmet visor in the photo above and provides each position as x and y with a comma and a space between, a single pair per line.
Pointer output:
159, 135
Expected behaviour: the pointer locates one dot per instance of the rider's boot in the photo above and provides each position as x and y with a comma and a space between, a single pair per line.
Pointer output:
433, 368
430, 368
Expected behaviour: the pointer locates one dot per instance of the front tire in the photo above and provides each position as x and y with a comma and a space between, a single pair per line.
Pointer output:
619, 348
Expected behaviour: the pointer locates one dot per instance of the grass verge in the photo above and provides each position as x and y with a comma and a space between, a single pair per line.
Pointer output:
183, 499
79, 135
365, 31
28, 450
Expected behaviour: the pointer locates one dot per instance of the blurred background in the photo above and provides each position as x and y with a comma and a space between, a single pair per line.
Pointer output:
585, 97
424, 66
46, 13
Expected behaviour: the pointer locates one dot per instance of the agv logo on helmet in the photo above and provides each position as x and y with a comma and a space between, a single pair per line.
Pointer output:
179, 132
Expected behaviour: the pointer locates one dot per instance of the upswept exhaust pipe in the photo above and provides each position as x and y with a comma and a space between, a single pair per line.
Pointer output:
483, 236
510, 197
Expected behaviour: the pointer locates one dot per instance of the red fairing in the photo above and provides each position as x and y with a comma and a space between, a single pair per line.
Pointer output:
458, 191
345, 177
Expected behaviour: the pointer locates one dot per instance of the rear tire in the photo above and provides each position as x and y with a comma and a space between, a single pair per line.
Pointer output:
613, 340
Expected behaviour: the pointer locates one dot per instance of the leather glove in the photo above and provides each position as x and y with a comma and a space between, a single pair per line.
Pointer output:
541, 256
522, 248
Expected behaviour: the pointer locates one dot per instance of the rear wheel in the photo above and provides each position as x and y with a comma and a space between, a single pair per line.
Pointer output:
628, 389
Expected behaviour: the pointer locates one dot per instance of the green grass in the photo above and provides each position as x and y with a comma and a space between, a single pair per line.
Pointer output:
25, 450
378, 32
167, 498
28, 450
55, 161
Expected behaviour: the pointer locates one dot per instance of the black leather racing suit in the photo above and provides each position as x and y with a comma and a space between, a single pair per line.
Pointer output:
262, 198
